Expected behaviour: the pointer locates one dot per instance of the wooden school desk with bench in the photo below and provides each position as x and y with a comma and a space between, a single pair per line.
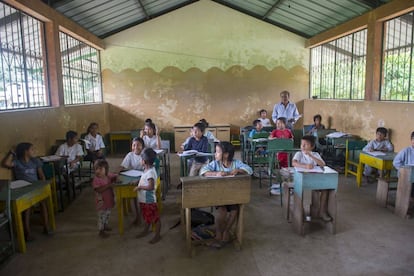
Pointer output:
200, 191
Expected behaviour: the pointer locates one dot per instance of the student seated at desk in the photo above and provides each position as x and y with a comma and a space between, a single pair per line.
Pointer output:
379, 144
406, 157
94, 145
198, 142
102, 184
263, 118
151, 136
133, 161
210, 136
258, 128
225, 165
281, 132
308, 159
317, 125
72, 150
26, 167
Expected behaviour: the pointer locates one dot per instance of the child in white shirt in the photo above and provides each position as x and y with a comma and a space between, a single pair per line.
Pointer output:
308, 159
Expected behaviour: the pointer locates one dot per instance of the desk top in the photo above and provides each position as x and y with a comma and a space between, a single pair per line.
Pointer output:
23, 191
201, 191
124, 180
387, 156
120, 132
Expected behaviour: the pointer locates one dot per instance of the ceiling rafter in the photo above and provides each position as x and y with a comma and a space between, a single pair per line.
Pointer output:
143, 9
272, 8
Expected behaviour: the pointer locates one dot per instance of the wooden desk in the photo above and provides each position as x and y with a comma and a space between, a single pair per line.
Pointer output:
26, 197
185, 158
118, 136
123, 190
314, 181
380, 162
199, 191
402, 200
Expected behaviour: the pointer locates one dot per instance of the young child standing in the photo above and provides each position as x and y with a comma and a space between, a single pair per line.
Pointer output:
281, 132
103, 183
96, 145
224, 165
27, 167
263, 118
199, 143
379, 144
147, 196
133, 161
308, 159
151, 136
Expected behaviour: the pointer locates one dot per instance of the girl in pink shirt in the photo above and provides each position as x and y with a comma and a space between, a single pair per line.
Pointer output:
281, 132
104, 195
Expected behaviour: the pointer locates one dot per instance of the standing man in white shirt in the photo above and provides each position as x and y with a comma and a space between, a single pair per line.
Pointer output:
285, 109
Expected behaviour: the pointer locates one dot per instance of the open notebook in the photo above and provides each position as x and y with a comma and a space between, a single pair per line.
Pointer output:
132, 173
19, 184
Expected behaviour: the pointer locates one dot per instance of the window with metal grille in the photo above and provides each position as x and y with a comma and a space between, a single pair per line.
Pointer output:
338, 68
80, 70
22, 83
398, 61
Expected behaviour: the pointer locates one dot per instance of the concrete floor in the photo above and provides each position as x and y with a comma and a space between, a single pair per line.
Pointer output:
370, 240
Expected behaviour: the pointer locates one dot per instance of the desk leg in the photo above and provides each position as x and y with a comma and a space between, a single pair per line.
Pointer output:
17, 215
402, 200
188, 229
298, 215
240, 222
382, 192
359, 174
50, 210
54, 195
120, 212
332, 211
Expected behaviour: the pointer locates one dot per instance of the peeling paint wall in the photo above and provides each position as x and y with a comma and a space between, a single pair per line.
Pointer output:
362, 118
201, 61
42, 127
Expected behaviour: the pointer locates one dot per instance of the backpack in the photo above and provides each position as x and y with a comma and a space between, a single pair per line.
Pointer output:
200, 217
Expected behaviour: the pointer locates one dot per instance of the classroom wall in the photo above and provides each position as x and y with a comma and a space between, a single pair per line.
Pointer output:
42, 127
363, 117
201, 61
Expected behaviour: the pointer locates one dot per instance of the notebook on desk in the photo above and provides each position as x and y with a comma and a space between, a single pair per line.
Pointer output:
19, 184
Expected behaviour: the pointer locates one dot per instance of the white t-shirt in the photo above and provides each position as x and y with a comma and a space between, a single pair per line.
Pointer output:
71, 152
305, 159
265, 122
150, 142
96, 143
145, 196
132, 161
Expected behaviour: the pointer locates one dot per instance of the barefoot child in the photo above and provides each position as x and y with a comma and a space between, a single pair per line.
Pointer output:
308, 159
104, 195
225, 165
147, 197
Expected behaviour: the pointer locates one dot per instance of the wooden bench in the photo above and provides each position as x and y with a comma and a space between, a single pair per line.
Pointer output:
199, 191
402, 200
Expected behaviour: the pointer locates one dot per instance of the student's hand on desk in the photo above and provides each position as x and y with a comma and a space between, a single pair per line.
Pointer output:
308, 166
221, 173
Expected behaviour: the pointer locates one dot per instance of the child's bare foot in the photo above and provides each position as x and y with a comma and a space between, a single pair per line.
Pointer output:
155, 239
142, 234
107, 228
103, 234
